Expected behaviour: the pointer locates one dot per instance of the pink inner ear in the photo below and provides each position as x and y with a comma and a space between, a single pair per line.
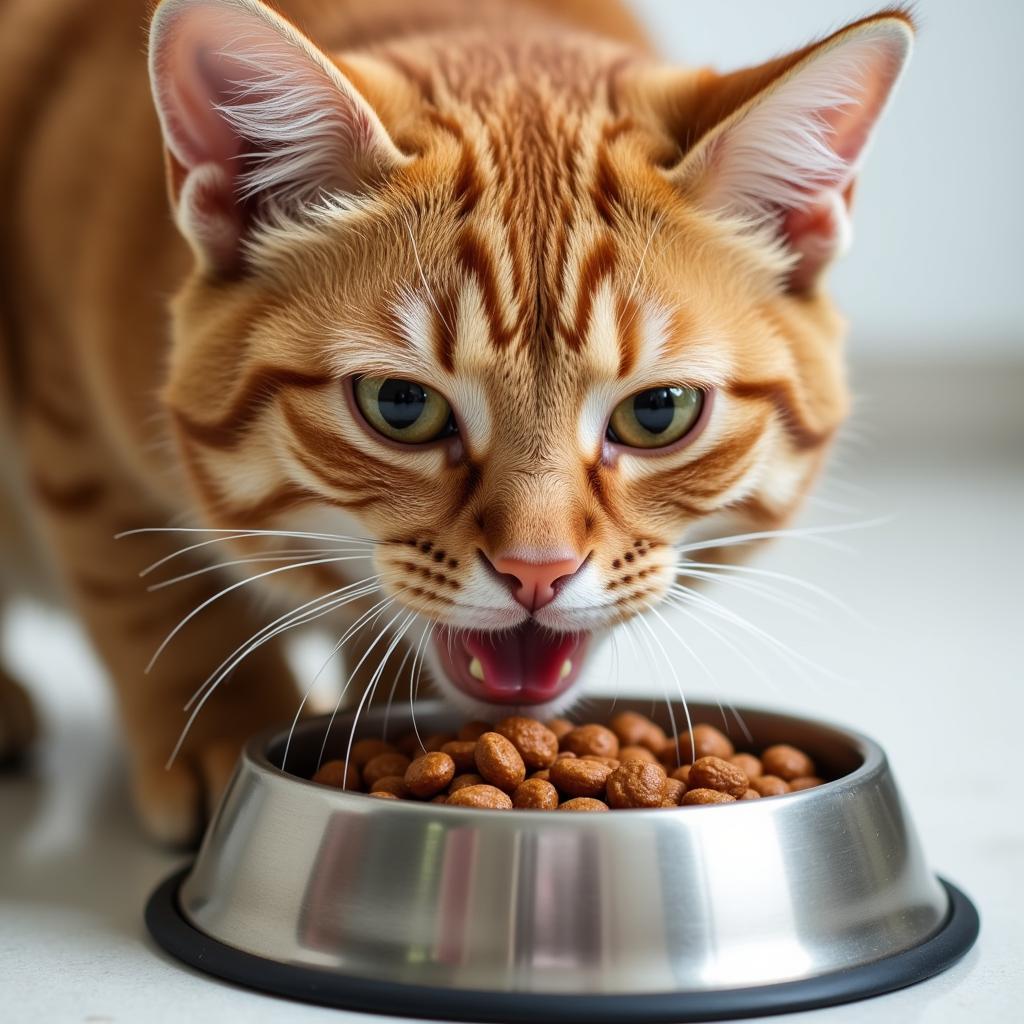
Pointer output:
191, 78
195, 77
816, 233
851, 124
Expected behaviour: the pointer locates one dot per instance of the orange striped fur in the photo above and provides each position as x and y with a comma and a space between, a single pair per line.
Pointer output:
530, 239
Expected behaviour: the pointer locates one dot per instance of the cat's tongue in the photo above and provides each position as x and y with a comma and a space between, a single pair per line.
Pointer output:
526, 665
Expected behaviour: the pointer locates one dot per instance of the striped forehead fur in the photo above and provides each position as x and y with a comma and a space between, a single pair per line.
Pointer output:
536, 262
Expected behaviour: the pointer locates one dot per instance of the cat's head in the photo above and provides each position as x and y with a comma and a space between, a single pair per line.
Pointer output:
523, 306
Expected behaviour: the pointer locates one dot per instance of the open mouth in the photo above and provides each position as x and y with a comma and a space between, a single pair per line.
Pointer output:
525, 665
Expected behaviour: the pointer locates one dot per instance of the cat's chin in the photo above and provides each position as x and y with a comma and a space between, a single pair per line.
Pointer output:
529, 668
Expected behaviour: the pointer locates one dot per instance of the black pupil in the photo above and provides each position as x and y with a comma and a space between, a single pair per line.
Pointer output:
401, 402
655, 409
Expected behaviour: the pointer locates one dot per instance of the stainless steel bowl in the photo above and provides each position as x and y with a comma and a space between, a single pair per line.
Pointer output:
696, 913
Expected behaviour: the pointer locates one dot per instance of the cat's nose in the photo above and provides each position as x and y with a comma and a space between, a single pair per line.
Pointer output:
535, 584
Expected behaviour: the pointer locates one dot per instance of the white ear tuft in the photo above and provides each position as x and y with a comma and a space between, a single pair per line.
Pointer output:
305, 142
249, 105
789, 155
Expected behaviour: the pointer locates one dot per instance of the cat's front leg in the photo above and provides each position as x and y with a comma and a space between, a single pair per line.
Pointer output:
83, 504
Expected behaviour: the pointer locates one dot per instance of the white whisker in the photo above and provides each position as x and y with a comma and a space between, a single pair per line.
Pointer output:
348, 681
394, 686
616, 667
795, 658
756, 587
428, 628
282, 557
224, 535
750, 570
223, 593
726, 640
414, 690
696, 657
308, 612
811, 533
679, 687
371, 688
664, 687
211, 686
363, 620
367, 545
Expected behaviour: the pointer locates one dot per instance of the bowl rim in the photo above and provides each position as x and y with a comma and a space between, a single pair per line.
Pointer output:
874, 763
185, 941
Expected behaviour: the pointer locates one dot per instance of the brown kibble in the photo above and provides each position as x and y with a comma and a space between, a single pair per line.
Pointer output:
612, 762
748, 764
408, 743
769, 785
786, 762
804, 782
634, 729
384, 764
634, 753
436, 741
394, 784
674, 790
693, 797
523, 763
636, 784
429, 774
655, 739
498, 761
715, 773
578, 776
630, 727
591, 739
535, 795
462, 752
334, 773
707, 742
536, 743
486, 797
583, 803
474, 730
460, 781
366, 749
560, 727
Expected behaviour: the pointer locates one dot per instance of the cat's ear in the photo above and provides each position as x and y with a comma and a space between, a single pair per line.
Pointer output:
254, 116
791, 137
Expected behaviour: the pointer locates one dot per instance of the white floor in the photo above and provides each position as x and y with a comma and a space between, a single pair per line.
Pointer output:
936, 673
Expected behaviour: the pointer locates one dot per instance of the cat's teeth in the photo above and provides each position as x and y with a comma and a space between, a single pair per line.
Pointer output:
566, 669
476, 669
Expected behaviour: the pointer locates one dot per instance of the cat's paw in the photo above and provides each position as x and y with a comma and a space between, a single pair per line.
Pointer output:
175, 803
19, 725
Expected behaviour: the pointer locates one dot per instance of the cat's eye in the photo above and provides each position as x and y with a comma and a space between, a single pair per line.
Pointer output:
656, 417
404, 410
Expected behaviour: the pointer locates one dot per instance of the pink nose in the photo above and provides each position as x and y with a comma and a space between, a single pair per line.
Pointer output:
535, 582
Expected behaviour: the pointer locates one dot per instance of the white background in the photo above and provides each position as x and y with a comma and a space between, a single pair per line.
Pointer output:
930, 664
938, 220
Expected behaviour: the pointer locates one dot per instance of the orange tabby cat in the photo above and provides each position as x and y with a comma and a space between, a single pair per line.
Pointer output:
476, 303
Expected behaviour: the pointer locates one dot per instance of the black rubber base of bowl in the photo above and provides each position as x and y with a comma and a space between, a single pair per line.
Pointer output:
328, 988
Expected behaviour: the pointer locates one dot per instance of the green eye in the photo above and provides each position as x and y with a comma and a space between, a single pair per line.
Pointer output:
404, 410
656, 417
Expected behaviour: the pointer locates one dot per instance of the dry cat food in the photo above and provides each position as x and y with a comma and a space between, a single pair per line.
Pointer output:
521, 762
